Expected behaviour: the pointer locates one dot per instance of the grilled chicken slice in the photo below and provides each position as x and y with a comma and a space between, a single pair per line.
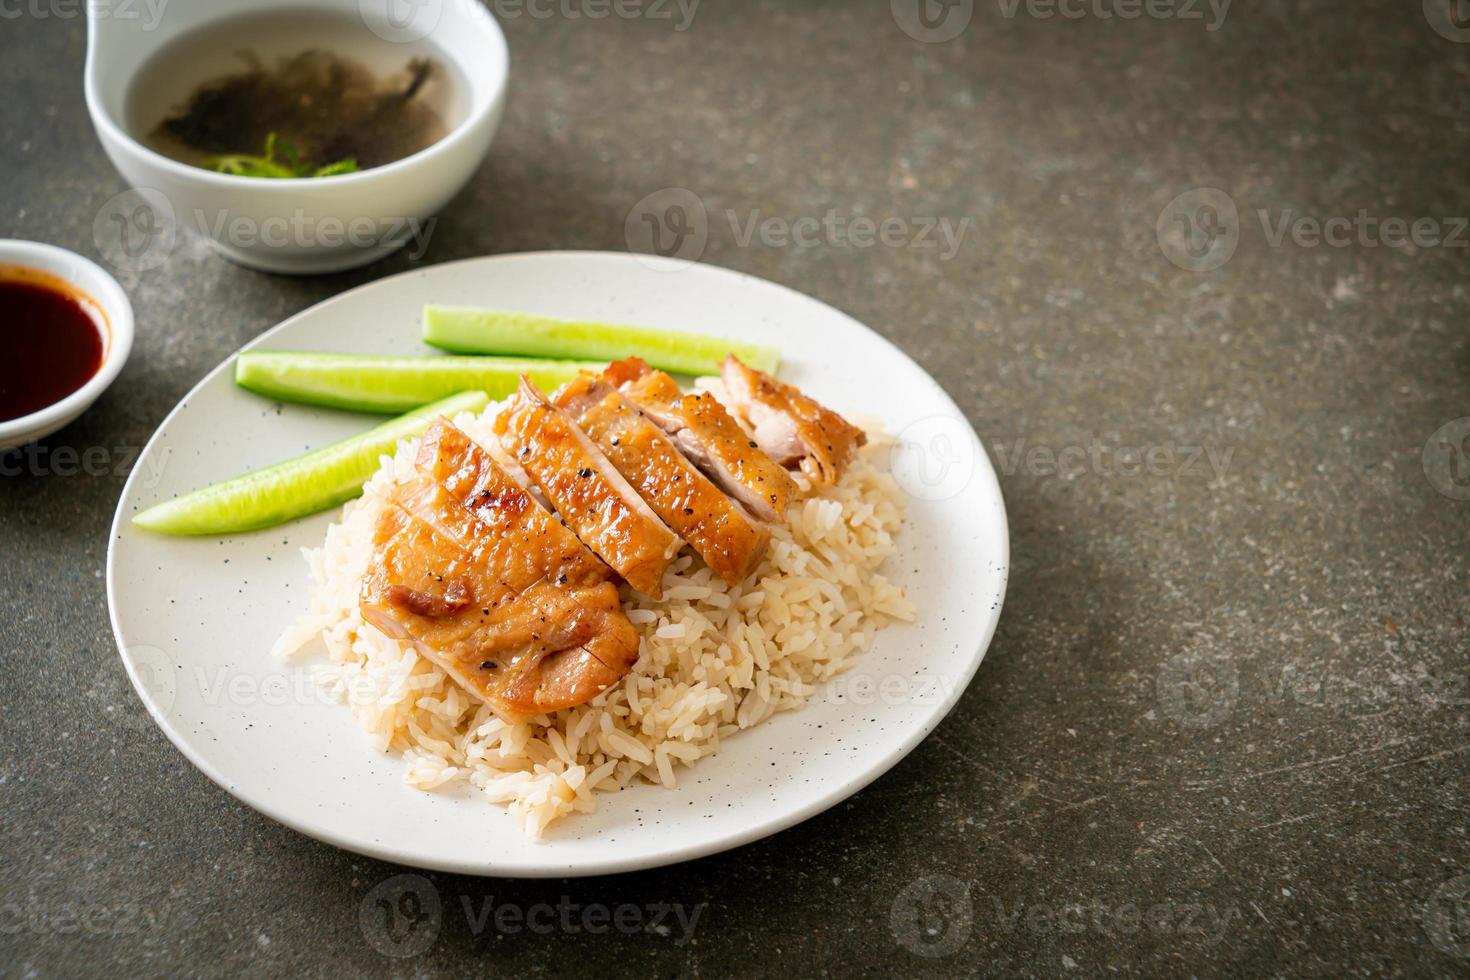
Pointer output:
728, 539
560, 619
587, 490
791, 428
709, 436
535, 543
434, 581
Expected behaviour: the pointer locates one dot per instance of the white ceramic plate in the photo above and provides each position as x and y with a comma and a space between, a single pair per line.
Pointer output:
195, 618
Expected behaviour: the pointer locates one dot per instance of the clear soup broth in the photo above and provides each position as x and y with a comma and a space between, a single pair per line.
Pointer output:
321, 86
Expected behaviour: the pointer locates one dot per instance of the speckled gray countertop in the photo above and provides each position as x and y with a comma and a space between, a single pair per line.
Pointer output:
1223, 726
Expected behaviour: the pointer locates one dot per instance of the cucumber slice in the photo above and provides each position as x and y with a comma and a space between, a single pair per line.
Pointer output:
300, 486
367, 383
472, 331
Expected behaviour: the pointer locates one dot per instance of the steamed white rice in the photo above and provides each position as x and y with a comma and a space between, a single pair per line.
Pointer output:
713, 659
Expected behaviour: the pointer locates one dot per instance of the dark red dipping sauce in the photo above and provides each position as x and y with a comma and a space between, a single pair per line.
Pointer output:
53, 339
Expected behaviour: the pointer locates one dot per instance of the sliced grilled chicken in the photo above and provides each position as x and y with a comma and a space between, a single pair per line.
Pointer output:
587, 490
706, 433
433, 581
559, 619
728, 539
537, 544
792, 429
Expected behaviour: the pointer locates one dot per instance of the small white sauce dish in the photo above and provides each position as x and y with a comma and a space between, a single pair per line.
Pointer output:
88, 278
295, 225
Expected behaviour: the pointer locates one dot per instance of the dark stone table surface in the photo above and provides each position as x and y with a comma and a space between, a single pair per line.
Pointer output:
1223, 727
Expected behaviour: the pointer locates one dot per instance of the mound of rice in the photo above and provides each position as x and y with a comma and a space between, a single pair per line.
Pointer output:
713, 659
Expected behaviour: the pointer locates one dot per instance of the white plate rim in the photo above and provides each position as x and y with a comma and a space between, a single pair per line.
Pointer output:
984, 473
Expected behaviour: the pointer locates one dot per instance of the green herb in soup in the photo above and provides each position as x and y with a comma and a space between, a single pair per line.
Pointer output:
288, 164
